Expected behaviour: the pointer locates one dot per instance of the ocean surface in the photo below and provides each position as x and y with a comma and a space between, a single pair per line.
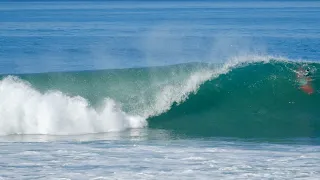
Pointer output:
160, 89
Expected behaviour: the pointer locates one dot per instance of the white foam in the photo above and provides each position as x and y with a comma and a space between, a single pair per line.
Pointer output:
24, 110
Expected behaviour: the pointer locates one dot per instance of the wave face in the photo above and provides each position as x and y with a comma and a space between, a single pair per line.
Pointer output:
255, 100
250, 97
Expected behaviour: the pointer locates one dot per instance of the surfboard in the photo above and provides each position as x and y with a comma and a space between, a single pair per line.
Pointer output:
305, 85
307, 89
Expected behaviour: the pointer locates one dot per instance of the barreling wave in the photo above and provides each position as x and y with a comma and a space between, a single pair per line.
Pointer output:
248, 97
253, 100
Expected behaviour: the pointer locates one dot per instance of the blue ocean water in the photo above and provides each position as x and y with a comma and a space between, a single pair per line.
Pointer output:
68, 35
53, 128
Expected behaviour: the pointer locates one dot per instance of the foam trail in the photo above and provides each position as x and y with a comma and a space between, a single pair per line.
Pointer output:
24, 110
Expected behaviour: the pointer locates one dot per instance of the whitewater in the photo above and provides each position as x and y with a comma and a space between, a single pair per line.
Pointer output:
159, 90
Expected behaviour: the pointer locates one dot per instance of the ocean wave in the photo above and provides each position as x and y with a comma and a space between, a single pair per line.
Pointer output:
248, 96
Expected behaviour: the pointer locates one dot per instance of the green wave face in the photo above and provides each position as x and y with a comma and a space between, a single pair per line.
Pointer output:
256, 100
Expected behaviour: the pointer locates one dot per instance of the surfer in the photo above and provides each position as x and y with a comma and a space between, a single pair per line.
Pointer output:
304, 80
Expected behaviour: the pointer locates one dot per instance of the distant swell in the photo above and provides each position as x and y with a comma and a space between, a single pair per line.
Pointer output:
251, 96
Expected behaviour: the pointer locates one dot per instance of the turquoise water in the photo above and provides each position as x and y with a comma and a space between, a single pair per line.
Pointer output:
154, 90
